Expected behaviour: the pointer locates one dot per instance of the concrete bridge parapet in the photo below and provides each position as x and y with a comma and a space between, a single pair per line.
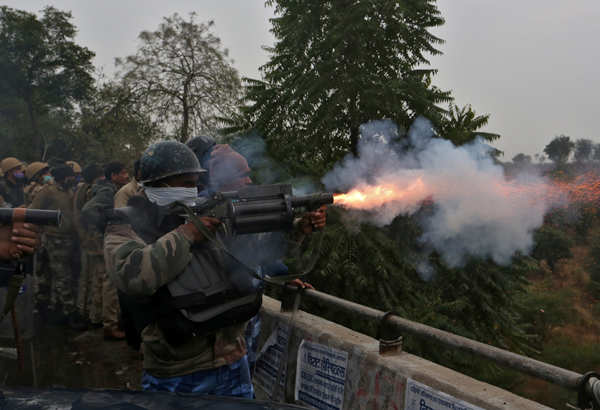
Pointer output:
305, 358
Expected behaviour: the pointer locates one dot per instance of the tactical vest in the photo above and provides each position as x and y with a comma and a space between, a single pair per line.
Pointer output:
205, 297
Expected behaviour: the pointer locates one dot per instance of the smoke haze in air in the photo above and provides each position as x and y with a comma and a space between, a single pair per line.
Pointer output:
476, 212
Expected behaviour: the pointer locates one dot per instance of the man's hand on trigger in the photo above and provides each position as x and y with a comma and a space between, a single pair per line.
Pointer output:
193, 234
314, 220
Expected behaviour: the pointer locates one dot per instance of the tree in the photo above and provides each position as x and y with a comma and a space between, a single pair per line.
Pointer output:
596, 152
182, 76
559, 149
42, 70
112, 126
583, 150
338, 64
461, 125
521, 160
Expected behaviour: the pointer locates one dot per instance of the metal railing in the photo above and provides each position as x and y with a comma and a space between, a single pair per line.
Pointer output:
583, 384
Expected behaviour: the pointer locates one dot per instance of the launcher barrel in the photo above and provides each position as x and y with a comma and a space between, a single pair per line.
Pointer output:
32, 216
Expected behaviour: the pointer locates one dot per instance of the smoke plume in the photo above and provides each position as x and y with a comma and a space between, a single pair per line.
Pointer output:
476, 211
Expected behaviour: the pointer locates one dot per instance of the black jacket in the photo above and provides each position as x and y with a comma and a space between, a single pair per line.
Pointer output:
12, 194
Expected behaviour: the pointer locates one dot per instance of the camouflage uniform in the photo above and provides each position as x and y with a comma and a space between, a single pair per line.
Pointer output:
140, 268
104, 293
58, 275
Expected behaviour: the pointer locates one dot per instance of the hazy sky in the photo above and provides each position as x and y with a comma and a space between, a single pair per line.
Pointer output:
532, 65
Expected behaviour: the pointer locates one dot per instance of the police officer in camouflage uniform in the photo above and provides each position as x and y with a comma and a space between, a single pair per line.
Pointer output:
167, 269
38, 175
142, 262
59, 245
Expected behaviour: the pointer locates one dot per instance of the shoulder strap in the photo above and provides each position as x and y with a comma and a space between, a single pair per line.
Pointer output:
215, 241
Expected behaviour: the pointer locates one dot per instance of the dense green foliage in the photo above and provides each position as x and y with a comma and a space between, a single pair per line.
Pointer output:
595, 265
462, 125
43, 75
382, 268
335, 66
338, 64
551, 244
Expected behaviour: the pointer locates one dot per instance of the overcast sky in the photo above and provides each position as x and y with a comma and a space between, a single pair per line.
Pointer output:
532, 65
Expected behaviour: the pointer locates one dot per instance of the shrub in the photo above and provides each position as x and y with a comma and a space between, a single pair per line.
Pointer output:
551, 244
594, 267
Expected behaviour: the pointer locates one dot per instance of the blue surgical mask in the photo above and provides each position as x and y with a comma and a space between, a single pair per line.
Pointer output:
47, 179
163, 196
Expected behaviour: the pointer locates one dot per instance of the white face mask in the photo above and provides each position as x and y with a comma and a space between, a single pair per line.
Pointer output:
167, 195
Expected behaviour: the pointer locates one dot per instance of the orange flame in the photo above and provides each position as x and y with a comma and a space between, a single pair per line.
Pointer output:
369, 196
583, 189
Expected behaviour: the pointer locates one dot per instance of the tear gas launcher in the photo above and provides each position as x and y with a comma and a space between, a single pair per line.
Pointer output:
8, 216
260, 208
255, 208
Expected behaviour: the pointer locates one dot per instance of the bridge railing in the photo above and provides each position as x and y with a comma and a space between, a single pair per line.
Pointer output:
588, 385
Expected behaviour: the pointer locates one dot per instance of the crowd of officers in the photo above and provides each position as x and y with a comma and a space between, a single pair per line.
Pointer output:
72, 285
189, 307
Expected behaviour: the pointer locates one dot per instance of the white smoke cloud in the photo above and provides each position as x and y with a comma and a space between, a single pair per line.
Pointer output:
476, 213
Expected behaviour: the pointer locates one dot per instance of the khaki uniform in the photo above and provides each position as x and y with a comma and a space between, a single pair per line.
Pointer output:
57, 276
31, 191
105, 301
89, 295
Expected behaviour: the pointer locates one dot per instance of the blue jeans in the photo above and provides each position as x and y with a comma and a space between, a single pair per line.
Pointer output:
233, 380
252, 333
